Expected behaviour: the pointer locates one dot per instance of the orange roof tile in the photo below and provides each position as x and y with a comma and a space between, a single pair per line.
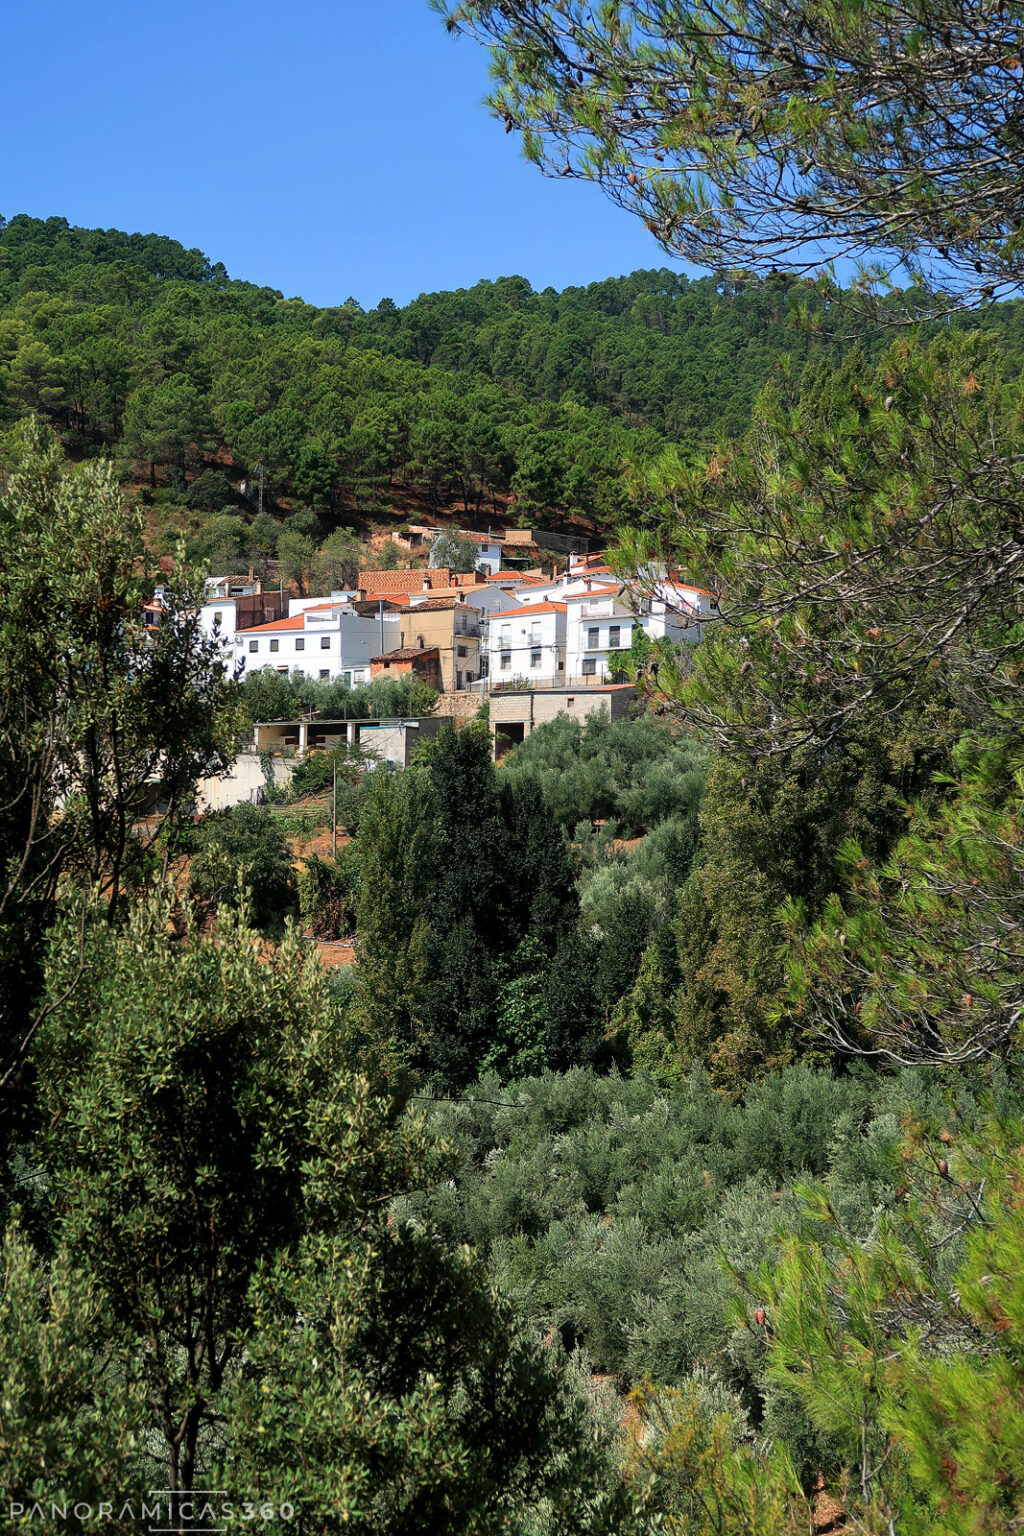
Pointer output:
404, 581
400, 599
686, 586
511, 613
297, 621
408, 653
601, 589
373, 600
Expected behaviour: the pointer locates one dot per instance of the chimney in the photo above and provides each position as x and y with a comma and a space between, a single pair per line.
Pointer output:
426, 584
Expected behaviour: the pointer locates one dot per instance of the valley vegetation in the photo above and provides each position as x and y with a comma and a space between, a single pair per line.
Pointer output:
658, 1163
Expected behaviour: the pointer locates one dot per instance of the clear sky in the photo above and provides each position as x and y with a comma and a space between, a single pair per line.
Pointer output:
325, 149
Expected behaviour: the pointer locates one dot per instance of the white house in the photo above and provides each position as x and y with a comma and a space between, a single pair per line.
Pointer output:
692, 605
232, 586
217, 617
226, 617
488, 548
602, 617
599, 627
300, 604
326, 641
485, 599
527, 641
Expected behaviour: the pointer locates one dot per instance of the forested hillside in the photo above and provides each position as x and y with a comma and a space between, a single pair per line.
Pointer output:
133, 345
652, 1160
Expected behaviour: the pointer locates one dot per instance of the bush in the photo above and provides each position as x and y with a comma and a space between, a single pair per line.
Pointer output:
210, 492
239, 848
327, 895
315, 772
221, 543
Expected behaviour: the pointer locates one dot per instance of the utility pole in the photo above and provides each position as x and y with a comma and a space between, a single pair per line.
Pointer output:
259, 466
334, 815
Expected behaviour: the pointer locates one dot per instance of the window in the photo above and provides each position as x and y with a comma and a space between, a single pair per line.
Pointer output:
300, 644
590, 666
325, 642
593, 638
535, 632
534, 660
325, 671
506, 635
347, 679
275, 645
282, 669
254, 645
613, 637
506, 660
461, 650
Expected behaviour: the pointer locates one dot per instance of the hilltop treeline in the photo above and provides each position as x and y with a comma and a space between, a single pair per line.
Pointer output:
132, 345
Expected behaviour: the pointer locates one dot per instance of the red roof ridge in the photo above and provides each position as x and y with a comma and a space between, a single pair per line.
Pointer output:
601, 588
295, 621
508, 613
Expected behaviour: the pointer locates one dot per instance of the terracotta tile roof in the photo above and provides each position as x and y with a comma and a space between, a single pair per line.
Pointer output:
678, 583
512, 613
409, 653
370, 606
508, 577
297, 621
601, 589
397, 599
404, 581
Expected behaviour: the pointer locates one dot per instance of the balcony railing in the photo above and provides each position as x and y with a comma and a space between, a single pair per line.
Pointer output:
544, 685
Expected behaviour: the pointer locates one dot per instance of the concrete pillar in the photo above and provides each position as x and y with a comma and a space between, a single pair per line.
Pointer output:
350, 734
303, 738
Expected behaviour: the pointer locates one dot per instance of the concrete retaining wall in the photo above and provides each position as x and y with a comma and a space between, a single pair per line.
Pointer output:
243, 781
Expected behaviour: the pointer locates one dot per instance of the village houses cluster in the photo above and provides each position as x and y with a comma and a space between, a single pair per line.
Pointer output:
541, 633
481, 630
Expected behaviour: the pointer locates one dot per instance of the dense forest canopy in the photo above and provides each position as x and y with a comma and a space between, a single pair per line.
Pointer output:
134, 345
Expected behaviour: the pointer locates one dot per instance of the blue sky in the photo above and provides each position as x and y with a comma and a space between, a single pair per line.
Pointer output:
324, 149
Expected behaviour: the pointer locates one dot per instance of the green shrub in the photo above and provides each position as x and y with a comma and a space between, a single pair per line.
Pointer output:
327, 895
210, 492
622, 1212
243, 847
